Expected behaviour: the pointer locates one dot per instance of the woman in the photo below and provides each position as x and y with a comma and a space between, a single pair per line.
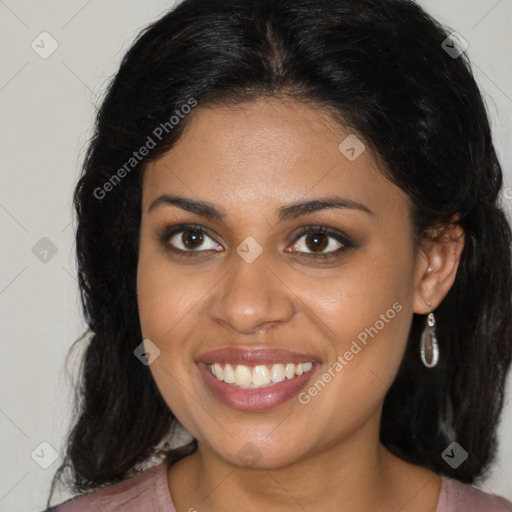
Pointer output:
289, 243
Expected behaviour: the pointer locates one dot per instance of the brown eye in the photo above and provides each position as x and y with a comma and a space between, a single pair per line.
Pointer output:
317, 242
189, 240
192, 238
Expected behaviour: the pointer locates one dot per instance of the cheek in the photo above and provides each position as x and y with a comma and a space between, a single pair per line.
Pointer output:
166, 309
166, 297
368, 319
365, 309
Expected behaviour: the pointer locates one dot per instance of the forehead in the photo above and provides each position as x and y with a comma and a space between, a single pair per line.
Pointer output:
268, 152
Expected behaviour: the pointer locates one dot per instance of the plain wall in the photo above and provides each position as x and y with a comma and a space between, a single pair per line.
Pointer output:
48, 108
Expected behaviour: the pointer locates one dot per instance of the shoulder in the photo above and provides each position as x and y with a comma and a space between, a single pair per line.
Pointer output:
146, 491
456, 496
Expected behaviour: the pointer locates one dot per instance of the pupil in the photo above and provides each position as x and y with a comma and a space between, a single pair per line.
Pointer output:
193, 239
319, 241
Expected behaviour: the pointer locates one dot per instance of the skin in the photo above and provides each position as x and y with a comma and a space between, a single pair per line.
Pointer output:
231, 157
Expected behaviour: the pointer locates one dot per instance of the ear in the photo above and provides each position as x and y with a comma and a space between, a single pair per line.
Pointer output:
441, 253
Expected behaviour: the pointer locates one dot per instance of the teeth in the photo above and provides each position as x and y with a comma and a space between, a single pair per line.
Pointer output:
277, 373
218, 371
229, 374
243, 375
289, 371
261, 376
258, 376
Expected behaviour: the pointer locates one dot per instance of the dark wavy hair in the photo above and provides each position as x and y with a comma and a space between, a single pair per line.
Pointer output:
379, 68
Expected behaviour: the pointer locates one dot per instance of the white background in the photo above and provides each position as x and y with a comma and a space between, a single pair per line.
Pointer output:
47, 108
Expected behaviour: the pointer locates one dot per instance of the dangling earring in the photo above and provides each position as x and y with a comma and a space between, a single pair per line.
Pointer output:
428, 344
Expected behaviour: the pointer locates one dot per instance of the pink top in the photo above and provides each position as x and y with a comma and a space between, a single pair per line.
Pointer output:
148, 492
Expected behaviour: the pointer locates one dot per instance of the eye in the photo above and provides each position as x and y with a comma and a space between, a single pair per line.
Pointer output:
188, 239
312, 241
320, 242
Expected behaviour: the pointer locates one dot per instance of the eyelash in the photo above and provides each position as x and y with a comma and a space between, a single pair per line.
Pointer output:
167, 233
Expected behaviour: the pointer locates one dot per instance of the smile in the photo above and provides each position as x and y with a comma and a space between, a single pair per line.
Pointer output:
255, 379
259, 376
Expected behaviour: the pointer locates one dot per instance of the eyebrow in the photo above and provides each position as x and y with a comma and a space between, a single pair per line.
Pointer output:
290, 211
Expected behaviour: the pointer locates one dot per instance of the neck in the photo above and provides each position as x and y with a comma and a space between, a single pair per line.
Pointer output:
353, 474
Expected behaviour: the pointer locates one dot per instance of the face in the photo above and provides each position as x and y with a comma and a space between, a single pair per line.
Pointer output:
276, 276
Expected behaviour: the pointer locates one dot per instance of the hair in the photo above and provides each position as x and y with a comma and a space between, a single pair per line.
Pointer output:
379, 68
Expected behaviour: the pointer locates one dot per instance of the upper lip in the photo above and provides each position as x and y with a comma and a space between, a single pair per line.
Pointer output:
254, 356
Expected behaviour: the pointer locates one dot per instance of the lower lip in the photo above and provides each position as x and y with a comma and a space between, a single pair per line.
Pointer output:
255, 399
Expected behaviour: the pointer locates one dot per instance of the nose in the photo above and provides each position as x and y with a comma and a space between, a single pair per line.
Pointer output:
252, 297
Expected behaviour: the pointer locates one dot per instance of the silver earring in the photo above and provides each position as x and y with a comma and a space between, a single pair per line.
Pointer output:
428, 345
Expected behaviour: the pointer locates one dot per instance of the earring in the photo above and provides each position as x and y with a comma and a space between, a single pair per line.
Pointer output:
428, 343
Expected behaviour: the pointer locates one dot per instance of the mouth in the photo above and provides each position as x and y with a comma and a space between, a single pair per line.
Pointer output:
260, 376
255, 379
